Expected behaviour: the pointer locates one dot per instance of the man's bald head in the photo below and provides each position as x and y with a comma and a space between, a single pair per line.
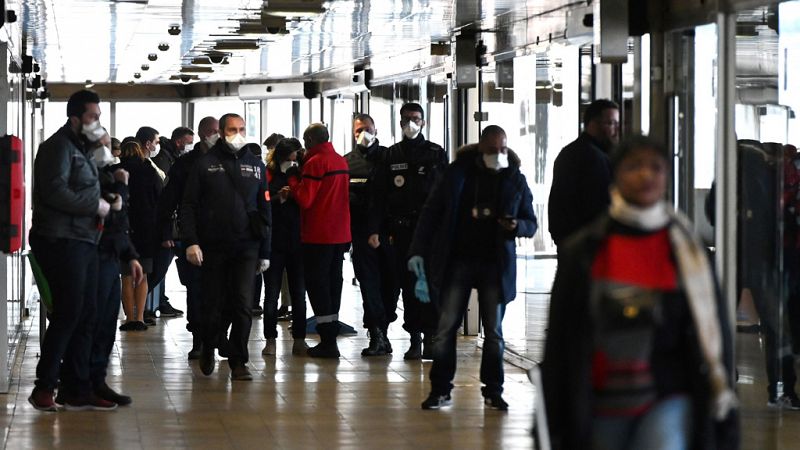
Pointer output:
315, 134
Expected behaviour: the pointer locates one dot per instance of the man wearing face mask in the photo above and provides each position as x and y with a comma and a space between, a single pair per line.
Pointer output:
207, 133
182, 141
225, 224
373, 267
402, 183
465, 239
582, 172
68, 214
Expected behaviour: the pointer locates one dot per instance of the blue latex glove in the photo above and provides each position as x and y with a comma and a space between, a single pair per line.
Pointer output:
416, 264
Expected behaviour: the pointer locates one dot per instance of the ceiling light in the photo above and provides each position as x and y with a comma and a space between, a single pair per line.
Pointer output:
145, 67
196, 69
89, 84
152, 57
238, 44
163, 46
137, 75
293, 8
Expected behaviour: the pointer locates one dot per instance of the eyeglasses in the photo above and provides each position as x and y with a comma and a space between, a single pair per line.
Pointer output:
406, 120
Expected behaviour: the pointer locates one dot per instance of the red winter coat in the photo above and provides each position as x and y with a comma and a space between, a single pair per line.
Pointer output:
323, 193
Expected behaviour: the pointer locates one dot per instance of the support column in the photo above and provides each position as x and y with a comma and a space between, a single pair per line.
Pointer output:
5, 90
726, 161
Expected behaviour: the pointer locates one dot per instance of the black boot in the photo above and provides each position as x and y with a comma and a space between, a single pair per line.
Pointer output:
427, 347
377, 346
197, 346
386, 343
327, 347
415, 350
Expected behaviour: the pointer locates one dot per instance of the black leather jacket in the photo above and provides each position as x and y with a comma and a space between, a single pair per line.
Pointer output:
66, 190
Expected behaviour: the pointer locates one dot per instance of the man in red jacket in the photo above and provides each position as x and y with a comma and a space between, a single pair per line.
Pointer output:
322, 191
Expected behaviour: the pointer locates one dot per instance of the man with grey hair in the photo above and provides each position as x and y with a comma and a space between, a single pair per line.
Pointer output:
322, 192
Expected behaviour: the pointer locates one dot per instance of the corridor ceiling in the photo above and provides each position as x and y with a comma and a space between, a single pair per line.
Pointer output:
121, 41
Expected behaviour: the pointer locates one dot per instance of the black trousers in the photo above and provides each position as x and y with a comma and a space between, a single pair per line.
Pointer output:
375, 271
323, 275
418, 317
191, 277
109, 293
292, 262
70, 267
227, 280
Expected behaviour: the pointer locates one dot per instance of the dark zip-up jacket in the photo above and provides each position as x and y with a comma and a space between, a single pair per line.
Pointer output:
215, 212
285, 216
116, 226
171, 197
435, 234
362, 163
66, 190
167, 156
579, 193
403, 180
145, 188
566, 369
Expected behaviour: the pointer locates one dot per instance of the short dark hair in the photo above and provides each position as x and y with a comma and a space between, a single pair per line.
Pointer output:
224, 120
180, 132
318, 133
636, 143
76, 105
595, 110
492, 130
272, 140
146, 134
253, 148
115, 143
412, 107
363, 117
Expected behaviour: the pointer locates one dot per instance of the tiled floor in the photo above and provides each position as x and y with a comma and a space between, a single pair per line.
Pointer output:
352, 403
293, 402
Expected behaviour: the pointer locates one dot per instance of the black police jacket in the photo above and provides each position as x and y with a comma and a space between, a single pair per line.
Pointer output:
362, 163
215, 212
172, 195
403, 180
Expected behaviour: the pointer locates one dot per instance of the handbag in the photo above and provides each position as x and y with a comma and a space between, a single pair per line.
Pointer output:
256, 222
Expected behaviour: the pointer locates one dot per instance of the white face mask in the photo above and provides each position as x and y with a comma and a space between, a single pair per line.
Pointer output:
236, 141
102, 156
155, 151
411, 130
188, 147
497, 161
211, 140
286, 165
365, 139
93, 131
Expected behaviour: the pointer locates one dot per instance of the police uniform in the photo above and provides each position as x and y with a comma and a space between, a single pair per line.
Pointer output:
402, 183
374, 268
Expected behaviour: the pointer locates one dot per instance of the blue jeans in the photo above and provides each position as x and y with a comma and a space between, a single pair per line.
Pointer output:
665, 426
484, 276
70, 267
108, 301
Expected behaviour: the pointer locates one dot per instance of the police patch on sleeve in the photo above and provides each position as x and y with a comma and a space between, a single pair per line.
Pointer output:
399, 181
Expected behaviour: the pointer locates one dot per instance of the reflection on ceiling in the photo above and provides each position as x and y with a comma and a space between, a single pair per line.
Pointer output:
160, 41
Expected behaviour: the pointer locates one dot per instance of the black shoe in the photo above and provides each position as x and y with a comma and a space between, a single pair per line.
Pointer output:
106, 393
149, 317
197, 348
415, 350
436, 401
139, 326
386, 343
324, 350
376, 343
495, 401
167, 310
207, 359
257, 311
241, 373
127, 326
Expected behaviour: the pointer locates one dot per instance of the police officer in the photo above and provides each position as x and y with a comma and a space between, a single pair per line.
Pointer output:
402, 182
374, 267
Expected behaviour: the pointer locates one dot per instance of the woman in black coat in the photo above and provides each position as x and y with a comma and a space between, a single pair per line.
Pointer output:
144, 187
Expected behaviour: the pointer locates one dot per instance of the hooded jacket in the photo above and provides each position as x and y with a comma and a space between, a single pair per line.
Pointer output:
215, 212
435, 234
323, 195
66, 191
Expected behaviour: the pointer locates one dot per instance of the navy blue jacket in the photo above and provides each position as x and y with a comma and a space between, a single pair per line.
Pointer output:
285, 216
214, 213
436, 230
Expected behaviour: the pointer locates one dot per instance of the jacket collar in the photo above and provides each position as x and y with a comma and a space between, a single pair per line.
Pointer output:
325, 147
469, 154
77, 139
416, 141
221, 148
594, 142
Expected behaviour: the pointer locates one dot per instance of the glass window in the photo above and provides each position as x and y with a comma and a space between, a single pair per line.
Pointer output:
279, 116
341, 124
163, 116
55, 116
216, 108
